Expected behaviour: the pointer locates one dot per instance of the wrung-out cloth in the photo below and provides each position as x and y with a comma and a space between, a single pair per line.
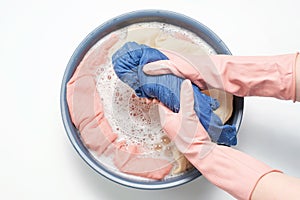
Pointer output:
87, 114
128, 64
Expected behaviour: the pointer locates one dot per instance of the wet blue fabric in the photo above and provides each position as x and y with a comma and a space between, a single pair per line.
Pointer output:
128, 62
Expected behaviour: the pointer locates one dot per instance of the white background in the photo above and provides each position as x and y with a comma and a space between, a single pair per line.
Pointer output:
37, 38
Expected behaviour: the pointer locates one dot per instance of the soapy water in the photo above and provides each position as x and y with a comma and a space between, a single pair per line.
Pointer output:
131, 117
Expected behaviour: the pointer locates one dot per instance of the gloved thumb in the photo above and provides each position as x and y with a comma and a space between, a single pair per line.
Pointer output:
187, 101
162, 67
170, 121
186, 105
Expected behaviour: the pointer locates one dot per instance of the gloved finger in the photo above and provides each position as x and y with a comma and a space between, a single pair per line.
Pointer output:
187, 101
162, 67
190, 127
179, 66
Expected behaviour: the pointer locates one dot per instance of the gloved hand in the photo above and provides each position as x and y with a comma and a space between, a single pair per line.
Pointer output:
128, 62
227, 168
270, 76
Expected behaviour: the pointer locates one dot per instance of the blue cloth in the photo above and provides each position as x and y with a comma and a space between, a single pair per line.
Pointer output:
128, 64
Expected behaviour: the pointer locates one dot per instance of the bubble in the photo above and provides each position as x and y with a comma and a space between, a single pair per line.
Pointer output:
158, 147
165, 139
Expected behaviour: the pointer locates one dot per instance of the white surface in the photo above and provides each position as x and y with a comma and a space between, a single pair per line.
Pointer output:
37, 38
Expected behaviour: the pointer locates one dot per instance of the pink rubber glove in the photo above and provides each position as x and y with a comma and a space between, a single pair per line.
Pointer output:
227, 168
269, 76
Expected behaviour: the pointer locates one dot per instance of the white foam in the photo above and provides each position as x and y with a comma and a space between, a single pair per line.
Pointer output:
129, 116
